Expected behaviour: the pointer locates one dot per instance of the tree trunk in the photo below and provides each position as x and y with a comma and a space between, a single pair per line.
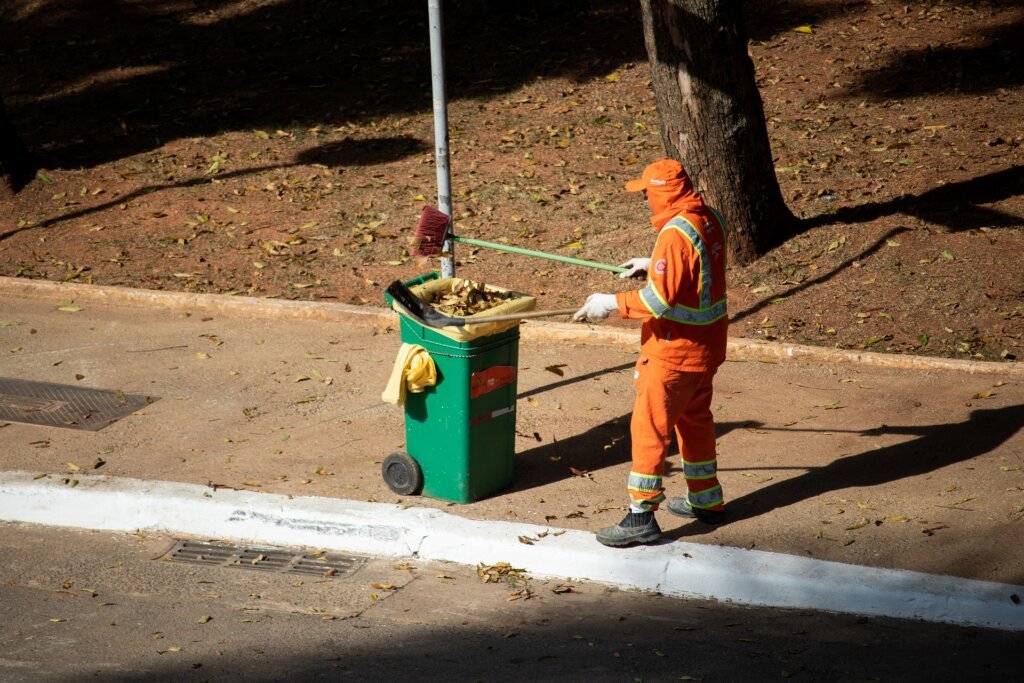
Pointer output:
16, 167
712, 119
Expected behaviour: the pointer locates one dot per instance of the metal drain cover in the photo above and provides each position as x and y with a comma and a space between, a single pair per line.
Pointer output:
215, 554
60, 405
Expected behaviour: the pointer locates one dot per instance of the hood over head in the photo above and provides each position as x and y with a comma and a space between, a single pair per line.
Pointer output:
669, 190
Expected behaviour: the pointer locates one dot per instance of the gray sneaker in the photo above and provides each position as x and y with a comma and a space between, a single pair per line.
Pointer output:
635, 527
681, 506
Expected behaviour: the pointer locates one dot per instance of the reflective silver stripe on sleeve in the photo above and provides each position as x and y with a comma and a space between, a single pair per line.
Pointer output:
654, 304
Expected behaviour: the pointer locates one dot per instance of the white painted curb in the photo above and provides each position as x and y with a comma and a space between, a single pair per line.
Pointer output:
679, 569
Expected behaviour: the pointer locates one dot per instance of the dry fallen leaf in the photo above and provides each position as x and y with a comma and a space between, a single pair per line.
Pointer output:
468, 298
581, 473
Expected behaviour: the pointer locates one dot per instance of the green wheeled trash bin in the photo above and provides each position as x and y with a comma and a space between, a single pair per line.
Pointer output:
459, 433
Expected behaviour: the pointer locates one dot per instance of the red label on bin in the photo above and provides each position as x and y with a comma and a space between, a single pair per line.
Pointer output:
490, 379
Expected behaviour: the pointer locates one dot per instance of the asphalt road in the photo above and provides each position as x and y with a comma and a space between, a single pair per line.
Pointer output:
91, 606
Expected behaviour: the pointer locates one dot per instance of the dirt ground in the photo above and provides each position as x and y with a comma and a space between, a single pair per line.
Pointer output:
284, 148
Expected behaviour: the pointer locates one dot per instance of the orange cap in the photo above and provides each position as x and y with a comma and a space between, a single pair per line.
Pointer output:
660, 174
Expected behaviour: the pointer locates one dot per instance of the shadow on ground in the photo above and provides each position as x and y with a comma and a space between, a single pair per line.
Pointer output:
606, 445
334, 154
552, 643
935, 447
140, 74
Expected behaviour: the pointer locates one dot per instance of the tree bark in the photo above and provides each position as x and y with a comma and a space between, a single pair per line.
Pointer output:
712, 119
16, 166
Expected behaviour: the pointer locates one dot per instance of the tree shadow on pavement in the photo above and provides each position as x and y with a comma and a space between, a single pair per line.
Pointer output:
573, 380
588, 636
605, 445
937, 446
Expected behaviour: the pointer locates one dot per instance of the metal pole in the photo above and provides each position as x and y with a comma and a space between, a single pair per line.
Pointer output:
444, 181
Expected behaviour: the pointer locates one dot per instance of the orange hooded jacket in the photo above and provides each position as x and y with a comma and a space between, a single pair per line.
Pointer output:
685, 325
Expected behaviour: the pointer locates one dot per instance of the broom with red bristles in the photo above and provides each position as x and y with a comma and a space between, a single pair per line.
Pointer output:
434, 228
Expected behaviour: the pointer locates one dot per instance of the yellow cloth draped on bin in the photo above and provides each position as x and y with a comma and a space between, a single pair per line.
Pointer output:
414, 370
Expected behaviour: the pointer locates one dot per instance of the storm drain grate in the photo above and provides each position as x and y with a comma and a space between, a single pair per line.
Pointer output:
215, 554
60, 405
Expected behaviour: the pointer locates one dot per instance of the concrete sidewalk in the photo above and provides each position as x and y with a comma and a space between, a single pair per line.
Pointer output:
911, 464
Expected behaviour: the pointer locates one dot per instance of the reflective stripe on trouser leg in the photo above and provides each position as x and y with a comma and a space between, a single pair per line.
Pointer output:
645, 491
661, 399
696, 433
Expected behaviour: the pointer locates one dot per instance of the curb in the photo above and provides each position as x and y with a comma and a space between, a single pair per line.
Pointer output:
739, 349
679, 569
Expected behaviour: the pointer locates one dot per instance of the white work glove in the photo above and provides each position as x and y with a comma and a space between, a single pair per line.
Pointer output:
637, 268
598, 307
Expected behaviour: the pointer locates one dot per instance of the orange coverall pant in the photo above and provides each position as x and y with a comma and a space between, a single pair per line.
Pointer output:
670, 401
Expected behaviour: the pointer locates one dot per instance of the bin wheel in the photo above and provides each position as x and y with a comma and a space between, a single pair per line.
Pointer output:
402, 474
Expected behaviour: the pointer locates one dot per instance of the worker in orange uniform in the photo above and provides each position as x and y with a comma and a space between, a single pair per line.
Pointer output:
682, 343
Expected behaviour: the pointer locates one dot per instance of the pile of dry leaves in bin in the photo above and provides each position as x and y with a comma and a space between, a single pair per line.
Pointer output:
468, 297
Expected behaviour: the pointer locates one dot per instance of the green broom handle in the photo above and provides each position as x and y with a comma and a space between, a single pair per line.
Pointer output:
539, 254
